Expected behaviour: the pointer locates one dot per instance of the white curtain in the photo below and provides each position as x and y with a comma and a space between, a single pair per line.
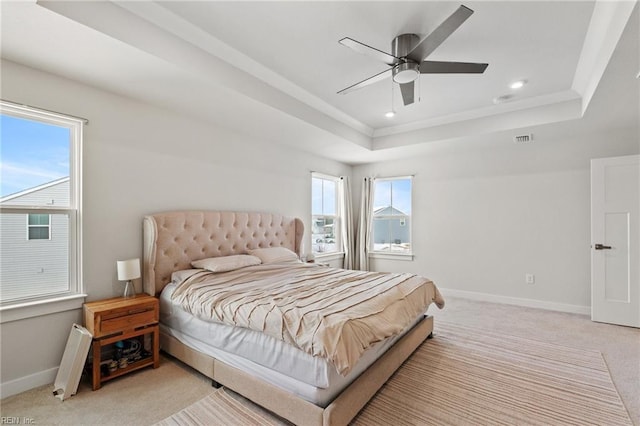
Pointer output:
347, 228
364, 230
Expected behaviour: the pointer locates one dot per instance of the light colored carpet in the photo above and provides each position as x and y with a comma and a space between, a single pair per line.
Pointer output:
469, 376
140, 398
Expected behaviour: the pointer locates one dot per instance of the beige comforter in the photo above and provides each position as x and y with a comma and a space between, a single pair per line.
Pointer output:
332, 313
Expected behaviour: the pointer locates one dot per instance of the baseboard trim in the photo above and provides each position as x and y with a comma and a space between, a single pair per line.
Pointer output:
22, 384
529, 303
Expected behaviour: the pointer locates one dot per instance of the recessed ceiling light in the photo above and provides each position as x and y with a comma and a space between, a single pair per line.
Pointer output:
390, 114
518, 84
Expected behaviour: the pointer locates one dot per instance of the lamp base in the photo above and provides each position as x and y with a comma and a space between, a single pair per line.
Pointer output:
129, 290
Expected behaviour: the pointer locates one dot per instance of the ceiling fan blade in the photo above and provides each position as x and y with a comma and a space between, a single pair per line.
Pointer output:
369, 51
428, 44
376, 78
408, 92
438, 67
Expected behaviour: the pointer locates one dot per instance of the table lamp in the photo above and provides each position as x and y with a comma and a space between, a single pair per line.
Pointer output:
128, 270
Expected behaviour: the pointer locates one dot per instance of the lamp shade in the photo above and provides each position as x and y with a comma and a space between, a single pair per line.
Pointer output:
128, 269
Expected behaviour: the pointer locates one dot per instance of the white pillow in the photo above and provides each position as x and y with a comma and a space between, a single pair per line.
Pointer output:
226, 263
274, 255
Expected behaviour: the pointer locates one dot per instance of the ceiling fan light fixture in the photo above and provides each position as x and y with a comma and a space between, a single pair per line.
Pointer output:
405, 72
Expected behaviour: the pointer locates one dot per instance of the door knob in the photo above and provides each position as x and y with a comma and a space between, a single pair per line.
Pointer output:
602, 247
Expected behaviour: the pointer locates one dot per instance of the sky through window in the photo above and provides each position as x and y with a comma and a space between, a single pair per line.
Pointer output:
31, 154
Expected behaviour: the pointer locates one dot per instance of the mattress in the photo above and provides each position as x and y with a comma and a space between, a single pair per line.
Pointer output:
330, 313
281, 364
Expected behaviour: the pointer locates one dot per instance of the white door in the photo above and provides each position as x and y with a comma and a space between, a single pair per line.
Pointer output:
615, 232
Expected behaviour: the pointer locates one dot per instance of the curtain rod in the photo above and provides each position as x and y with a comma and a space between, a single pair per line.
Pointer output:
85, 120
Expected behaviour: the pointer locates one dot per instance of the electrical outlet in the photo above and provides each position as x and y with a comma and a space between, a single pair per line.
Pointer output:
529, 278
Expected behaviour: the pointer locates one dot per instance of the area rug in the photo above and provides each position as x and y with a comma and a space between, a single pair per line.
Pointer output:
221, 409
465, 376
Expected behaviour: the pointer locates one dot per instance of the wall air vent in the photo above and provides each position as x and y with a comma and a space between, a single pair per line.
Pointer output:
523, 138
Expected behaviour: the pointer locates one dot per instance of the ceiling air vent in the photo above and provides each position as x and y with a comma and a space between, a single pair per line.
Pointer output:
523, 138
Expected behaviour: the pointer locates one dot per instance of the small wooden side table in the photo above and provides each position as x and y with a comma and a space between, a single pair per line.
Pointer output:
112, 320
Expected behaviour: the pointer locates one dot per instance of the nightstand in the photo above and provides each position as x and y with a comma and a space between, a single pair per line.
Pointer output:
122, 320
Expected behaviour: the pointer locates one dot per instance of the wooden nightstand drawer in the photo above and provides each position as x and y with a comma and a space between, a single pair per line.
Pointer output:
127, 322
117, 315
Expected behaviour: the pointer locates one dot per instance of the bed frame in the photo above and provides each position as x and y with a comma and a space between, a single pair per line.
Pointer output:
173, 239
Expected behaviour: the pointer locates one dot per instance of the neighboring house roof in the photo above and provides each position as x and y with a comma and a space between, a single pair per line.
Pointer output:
33, 189
387, 210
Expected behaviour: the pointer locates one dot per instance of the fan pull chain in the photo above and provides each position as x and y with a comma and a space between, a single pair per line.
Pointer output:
393, 106
390, 114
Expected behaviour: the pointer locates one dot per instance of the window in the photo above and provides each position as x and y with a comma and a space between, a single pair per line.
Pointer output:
38, 226
325, 221
391, 228
40, 187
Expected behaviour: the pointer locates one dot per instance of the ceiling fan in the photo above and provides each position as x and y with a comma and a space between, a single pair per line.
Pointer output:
408, 57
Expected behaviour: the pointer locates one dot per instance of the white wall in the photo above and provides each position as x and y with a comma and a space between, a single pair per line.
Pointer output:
487, 211
139, 159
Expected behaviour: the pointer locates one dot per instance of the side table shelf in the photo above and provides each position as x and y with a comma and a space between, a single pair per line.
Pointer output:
119, 319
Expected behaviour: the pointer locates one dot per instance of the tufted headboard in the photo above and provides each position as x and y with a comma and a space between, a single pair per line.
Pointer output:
173, 240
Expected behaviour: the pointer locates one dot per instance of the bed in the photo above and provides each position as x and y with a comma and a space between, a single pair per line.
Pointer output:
310, 373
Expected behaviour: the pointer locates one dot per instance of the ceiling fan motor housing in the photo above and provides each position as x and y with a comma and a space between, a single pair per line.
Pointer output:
403, 44
407, 70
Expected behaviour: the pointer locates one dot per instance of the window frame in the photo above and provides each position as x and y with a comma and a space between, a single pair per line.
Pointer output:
337, 220
30, 226
388, 254
73, 297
